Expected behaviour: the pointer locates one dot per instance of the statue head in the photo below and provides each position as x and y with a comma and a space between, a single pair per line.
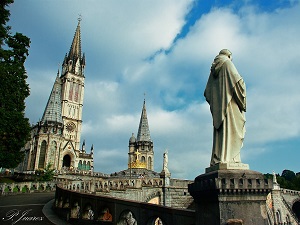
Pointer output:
226, 52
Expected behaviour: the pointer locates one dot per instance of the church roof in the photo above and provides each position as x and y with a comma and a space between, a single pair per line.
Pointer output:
144, 132
53, 108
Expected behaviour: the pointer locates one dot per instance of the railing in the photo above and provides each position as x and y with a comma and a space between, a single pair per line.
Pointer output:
26, 187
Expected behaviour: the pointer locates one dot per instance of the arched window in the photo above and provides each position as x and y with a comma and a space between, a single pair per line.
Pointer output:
278, 217
80, 165
88, 166
42, 155
67, 161
76, 92
296, 209
143, 159
84, 165
71, 91
288, 220
149, 166
52, 152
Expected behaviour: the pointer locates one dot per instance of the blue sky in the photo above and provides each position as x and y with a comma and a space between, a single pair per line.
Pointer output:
165, 49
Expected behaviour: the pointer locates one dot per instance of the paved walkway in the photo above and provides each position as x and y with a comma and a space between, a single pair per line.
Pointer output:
28, 209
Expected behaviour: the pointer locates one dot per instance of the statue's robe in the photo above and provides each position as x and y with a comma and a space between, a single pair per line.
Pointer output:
226, 94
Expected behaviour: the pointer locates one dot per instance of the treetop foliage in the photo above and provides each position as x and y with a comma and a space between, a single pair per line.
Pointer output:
15, 128
288, 179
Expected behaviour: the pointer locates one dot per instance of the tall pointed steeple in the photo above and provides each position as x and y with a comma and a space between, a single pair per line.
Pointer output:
75, 50
74, 62
144, 132
141, 154
52, 111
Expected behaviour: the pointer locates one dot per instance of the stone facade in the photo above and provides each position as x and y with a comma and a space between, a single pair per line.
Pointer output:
55, 140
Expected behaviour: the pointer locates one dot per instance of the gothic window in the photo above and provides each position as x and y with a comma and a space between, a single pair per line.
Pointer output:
32, 161
52, 152
84, 165
67, 161
149, 166
42, 155
278, 217
80, 165
143, 159
288, 219
88, 166
76, 92
71, 91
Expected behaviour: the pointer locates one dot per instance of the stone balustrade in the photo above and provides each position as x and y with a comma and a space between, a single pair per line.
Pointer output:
26, 187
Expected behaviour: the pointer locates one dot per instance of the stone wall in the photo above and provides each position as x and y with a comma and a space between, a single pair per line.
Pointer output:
84, 208
174, 195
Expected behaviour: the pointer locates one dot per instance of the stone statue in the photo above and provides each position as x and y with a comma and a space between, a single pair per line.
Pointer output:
105, 215
274, 178
226, 94
127, 219
75, 211
166, 160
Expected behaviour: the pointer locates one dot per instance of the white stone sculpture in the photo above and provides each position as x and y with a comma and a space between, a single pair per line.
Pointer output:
166, 160
226, 94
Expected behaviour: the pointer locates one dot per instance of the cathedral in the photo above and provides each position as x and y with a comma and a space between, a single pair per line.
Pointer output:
55, 139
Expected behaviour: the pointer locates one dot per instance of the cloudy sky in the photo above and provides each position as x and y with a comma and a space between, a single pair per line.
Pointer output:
164, 48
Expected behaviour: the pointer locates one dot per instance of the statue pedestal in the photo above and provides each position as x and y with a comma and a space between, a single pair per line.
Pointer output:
227, 166
223, 195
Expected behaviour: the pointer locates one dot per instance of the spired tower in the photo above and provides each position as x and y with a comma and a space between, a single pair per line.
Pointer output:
55, 139
141, 154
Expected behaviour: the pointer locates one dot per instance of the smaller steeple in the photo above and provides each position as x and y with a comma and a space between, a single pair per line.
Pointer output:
52, 111
144, 132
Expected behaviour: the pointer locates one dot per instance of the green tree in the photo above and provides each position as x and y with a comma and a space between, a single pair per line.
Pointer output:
288, 175
46, 174
14, 128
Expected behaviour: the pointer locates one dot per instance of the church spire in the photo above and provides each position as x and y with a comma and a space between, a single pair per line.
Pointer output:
74, 62
144, 132
53, 108
75, 50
